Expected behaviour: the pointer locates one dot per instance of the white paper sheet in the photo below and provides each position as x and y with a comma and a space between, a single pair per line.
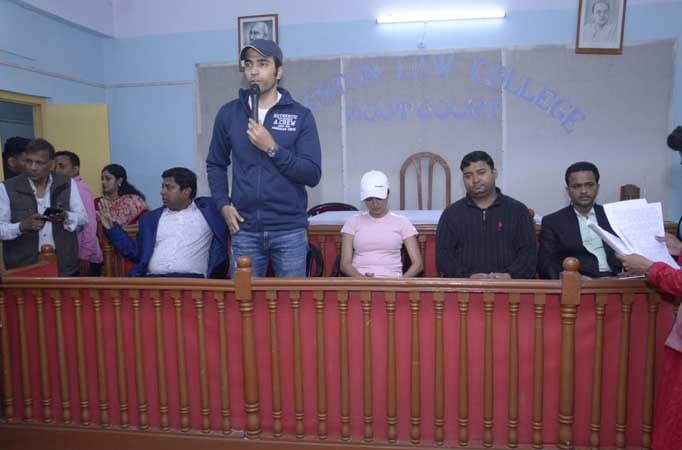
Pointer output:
638, 223
611, 240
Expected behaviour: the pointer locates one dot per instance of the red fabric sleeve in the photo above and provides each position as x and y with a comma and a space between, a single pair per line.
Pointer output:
666, 278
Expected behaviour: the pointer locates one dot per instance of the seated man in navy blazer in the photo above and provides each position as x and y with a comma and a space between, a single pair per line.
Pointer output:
565, 232
184, 238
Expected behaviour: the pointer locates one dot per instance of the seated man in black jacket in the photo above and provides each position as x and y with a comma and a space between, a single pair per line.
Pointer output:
565, 233
486, 234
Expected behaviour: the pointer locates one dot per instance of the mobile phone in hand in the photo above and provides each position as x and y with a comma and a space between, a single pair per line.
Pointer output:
52, 211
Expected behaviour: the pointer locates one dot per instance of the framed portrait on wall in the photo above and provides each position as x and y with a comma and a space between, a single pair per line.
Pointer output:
251, 28
600, 26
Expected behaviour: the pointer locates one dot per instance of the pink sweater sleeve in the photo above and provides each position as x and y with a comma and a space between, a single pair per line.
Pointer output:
88, 245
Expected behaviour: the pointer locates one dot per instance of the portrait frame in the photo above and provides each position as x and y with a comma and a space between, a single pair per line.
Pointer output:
605, 39
244, 25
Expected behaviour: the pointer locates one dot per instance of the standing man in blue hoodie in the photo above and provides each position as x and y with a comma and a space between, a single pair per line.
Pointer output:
273, 160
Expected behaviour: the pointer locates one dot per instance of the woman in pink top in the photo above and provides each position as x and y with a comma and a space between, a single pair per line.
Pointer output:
371, 242
668, 414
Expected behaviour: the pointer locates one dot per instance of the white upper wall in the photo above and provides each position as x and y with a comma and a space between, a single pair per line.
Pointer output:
131, 18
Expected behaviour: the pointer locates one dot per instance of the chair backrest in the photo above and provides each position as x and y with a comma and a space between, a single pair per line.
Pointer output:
418, 159
332, 206
314, 263
629, 192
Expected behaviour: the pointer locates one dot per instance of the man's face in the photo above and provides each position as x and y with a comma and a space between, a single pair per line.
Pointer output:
38, 165
64, 166
479, 179
259, 30
582, 188
173, 197
261, 70
600, 13
17, 164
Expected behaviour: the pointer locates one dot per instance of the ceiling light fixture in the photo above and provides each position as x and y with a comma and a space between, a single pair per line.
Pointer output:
439, 17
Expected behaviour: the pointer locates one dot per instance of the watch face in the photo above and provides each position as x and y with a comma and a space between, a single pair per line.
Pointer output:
272, 152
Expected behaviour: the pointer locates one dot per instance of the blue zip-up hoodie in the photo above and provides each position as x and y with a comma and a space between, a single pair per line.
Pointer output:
269, 193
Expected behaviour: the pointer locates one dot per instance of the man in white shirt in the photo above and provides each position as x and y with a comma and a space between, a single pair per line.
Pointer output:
40, 208
184, 238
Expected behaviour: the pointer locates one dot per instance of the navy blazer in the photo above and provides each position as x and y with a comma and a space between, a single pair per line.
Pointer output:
560, 238
140, 251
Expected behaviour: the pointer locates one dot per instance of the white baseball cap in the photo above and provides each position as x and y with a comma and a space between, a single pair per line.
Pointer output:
374, 184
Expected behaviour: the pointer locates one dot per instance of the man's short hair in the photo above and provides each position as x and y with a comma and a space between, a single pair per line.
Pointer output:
476, 156
40, 145
582, 166
15, 146
75, 160
183, 177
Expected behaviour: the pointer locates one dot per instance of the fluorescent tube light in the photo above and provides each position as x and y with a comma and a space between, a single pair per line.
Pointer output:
438, 17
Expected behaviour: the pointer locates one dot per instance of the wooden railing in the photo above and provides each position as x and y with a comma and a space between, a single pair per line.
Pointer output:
102, 363
45, 267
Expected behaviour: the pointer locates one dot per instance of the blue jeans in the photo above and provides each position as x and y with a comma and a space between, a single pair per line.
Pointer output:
286, 250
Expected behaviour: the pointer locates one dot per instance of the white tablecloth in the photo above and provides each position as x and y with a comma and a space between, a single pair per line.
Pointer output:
417, 217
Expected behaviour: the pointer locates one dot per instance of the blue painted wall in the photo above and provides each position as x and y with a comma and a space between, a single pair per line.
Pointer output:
30, 39
153, 127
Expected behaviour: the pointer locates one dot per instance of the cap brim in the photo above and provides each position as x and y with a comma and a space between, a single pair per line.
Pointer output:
377, 193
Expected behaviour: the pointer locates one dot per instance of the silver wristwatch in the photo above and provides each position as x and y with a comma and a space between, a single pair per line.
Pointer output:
272, 151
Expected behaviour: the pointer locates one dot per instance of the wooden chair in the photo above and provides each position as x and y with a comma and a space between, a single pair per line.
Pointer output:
418, 160
629, 192
332, 206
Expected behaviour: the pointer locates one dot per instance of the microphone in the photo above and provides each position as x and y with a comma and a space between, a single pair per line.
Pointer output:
254, 93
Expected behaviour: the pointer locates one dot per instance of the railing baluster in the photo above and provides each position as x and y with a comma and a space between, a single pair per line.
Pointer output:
25, 366
61, 357
81, 362
101, 365
7, 390
415, 371
244, 296
295, 300
367, 392
120, 360
488, 393
205, 411
439, 375
648, 402
271, 297
597, 365
623, 363
45, 390
142, 404
344, 366
570, 300
224, 374
391, 371
318, 297
513, 412
463, 383
539, 301
155, 296
177, 297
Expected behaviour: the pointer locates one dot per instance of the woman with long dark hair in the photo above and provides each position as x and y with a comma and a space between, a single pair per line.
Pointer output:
126, 203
